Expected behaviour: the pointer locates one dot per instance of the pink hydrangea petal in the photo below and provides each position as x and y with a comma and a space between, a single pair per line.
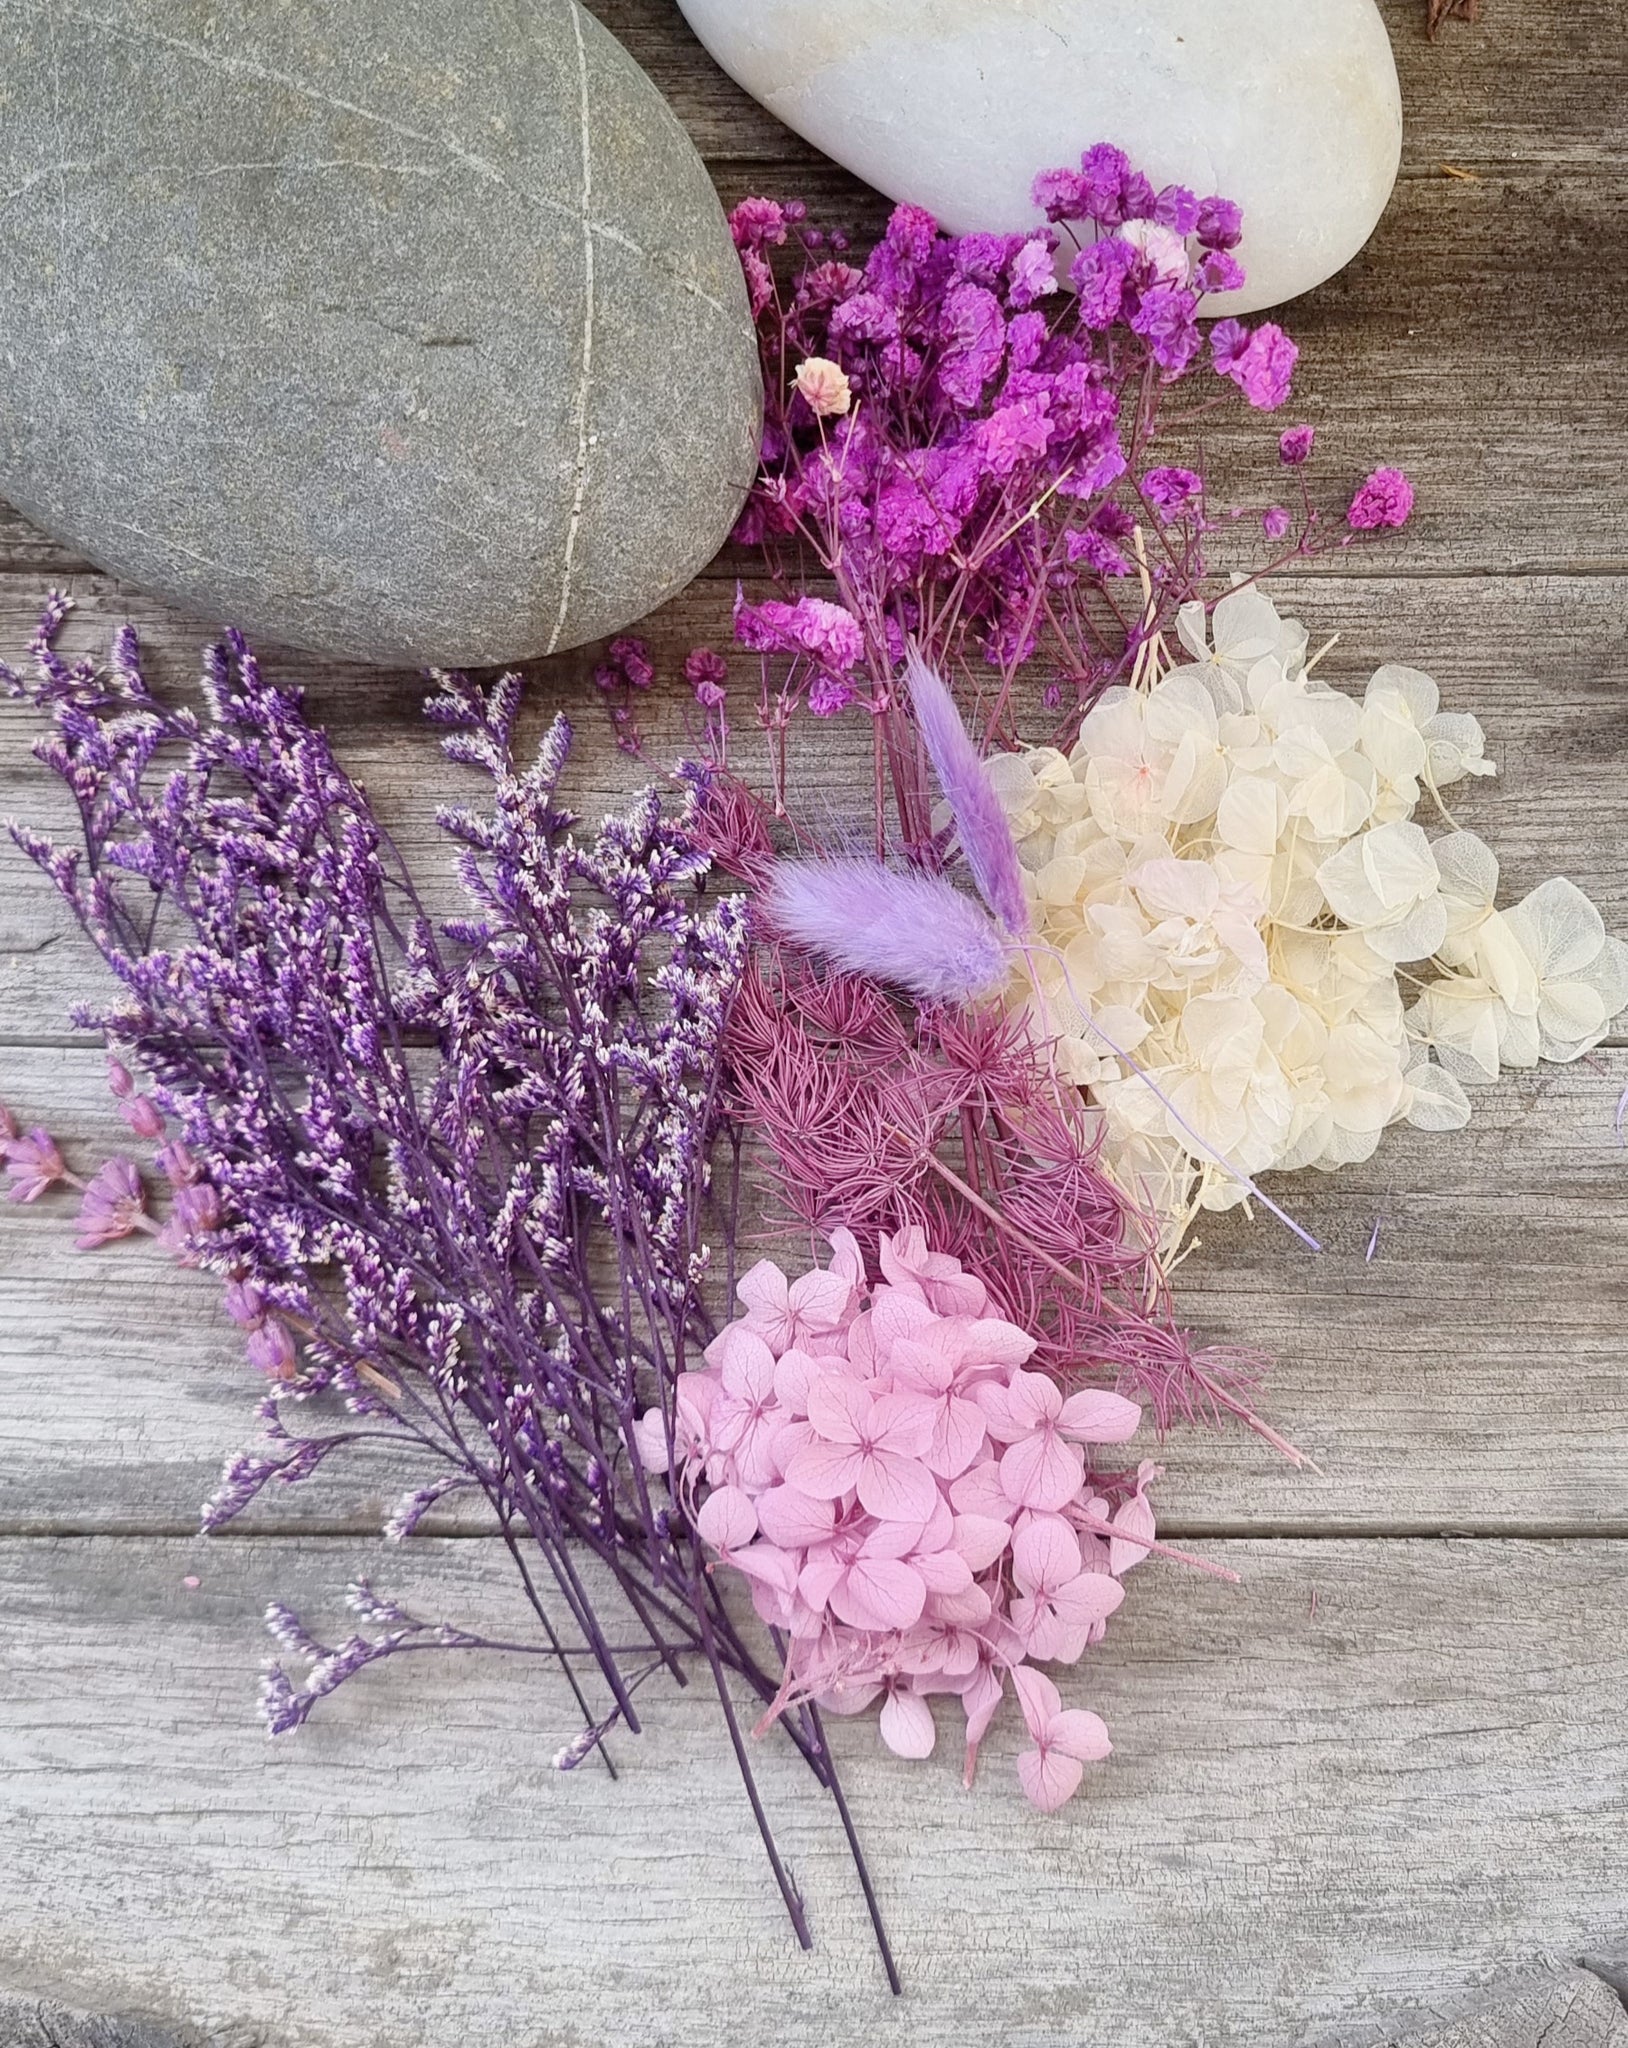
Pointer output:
895, 1488
827, 1471
1045, 1554
1042, 1471
958, 1436
767, 1565
839, 1408
1135, 1517
818, 1579
763, 1290
879, 1593
1099, 1417
902, 1423
895, 1315
978, 1491
650, 1440
727, 1519
1033, 1399
989, 1340
981, 1540
970, 1609
907, 1724
1038, 1698
1050, 1778
794, 1519
787, 1440
819, 1301
943, 1571
847, 1261
791, 1377
1088, 1599
1079, 1734
958, 1294
744, 1361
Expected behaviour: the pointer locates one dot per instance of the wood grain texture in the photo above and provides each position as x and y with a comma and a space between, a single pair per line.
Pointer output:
1388, 1768
1402, 1773
1424, 1383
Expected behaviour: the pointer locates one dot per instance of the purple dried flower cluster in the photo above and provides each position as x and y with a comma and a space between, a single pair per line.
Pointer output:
961, 452
455, 1179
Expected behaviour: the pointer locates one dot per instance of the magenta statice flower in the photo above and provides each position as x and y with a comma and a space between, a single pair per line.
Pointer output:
1220, 224
812, 625
33, 1164
1261, 364
706, 672
1275, 522
112, 1206
1384, 499
1295, 445
1171, 490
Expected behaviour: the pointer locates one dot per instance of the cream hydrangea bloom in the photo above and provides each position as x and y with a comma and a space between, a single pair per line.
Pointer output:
1227, 882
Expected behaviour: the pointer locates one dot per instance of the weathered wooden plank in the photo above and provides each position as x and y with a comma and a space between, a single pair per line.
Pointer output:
1469, 1377
1541, 661
1562, 2007
1364, 1780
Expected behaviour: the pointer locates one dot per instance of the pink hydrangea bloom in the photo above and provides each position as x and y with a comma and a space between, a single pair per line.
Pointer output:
1385, 499
911, 1507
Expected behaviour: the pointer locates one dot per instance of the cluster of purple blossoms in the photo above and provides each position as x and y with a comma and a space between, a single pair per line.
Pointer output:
964, 445
412, 1152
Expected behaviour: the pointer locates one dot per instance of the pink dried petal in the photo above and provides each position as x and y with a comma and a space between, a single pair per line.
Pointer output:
1049, 1777
1042, 1471
1097, 1417
727, 1520
907, 1724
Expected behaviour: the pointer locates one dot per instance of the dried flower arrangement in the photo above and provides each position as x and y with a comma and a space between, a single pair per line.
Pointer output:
474, 1191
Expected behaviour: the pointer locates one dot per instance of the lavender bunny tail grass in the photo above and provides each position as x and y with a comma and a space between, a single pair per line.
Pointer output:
986, 837
911, 931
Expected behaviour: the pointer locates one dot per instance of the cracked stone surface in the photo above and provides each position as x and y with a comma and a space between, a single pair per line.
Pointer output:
386, 328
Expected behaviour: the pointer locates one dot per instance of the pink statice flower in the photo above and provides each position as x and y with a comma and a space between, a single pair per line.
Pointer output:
919, 1514
1171, 491
33, 1164
113, 1204
1384, 499
1275, 522
141, 1113
813, 625
1295, 445
1259, 360
706, 672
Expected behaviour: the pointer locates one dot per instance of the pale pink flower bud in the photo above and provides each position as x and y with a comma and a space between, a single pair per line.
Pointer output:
824, 387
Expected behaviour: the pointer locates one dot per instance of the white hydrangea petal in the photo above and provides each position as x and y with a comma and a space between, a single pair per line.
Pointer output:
1559, 927
1437, 1101
1416, 690
1251, 814
1456, 747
